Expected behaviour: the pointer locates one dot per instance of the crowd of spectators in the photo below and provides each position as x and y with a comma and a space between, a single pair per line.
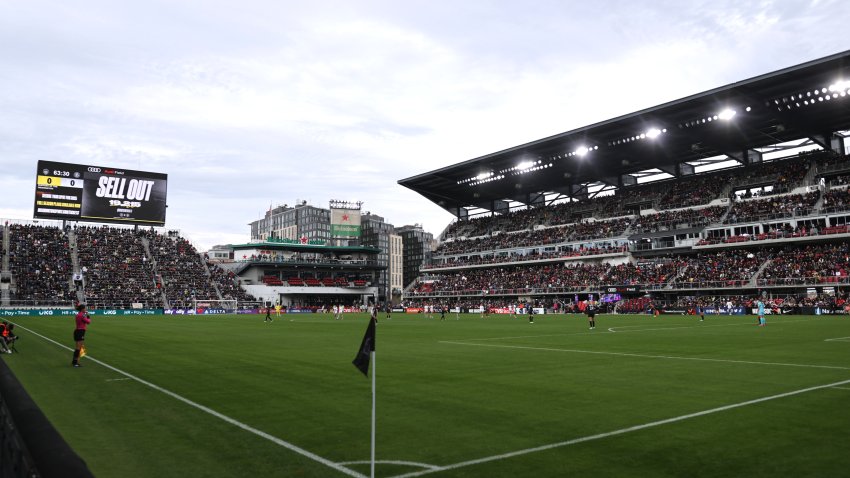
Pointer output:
531, 278
725, 268
649, 274
682, 218
116, 271
782, 175
549, 278
772, 208
228, 284
40, 262
693, 191
836, 200
550, 235
580, 251
812, 264
720, 269
181, 270
830, 162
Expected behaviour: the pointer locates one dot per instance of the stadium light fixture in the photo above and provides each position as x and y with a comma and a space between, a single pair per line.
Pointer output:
484, 175
581, 151
726, 114
839, 86
653, 133
524, 165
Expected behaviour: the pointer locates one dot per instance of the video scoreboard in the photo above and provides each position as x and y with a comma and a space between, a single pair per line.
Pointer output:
78, 192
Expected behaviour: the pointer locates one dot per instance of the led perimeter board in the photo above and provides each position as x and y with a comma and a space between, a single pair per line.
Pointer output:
78, 192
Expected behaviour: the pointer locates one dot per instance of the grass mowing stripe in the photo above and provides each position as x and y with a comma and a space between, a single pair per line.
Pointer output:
212, 412
621, 431
625, 354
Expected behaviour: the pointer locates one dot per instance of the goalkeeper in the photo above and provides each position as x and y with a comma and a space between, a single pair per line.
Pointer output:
83, 320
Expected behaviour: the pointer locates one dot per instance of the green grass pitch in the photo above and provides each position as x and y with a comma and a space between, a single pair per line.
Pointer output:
225, 396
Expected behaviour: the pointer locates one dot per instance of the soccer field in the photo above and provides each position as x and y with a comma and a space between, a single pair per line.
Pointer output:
225, 396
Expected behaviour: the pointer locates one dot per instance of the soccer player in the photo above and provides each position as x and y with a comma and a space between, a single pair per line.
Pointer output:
277, 309
760, 305
83, 320
442, 312
4, 342
701, 310
590, 310
530, 311
389, 310
268, 314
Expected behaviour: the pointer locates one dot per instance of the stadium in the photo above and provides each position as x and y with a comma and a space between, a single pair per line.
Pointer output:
677, 220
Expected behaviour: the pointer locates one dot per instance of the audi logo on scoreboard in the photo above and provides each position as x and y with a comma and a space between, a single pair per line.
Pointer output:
79, 192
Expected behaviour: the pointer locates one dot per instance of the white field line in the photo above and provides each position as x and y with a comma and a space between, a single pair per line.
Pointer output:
392, 462
695, 326
117, 379
612, 329
618, 432
214, 413
838, 339
842, 388
625, 354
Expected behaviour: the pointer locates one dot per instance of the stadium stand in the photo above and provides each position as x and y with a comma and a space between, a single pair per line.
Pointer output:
228, 284
775, 207
116, 270
40, 263
182, 271
800, 198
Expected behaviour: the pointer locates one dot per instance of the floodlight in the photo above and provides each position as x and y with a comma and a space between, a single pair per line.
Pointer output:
582, 151
653, 133
525, 165
726, 114
483, 175
841, 85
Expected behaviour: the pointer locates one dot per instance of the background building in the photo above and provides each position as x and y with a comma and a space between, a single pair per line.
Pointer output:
304, 221
417, 246
377, 233
293, 222
395, 269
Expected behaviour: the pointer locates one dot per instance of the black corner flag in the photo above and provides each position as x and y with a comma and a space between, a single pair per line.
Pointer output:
361, 361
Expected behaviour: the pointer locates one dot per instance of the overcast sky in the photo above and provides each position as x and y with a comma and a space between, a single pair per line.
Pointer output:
250, 103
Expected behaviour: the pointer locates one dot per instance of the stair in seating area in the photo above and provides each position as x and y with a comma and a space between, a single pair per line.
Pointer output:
209, 276
759, 271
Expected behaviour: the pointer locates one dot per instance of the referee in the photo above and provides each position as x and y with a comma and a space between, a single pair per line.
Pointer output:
83, 320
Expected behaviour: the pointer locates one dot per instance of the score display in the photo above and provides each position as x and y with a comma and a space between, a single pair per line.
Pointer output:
79, 192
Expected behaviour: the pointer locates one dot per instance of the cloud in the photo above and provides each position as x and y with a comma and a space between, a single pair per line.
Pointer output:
282, 101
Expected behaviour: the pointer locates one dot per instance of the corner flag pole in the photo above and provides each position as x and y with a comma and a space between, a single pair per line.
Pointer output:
365, 355
372, 468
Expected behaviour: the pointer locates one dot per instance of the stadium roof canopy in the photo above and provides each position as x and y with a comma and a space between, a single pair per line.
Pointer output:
809, 102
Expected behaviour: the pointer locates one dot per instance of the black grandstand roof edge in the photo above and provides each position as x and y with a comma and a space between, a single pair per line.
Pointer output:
636, 114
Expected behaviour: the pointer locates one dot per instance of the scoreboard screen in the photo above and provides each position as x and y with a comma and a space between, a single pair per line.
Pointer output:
78, 192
